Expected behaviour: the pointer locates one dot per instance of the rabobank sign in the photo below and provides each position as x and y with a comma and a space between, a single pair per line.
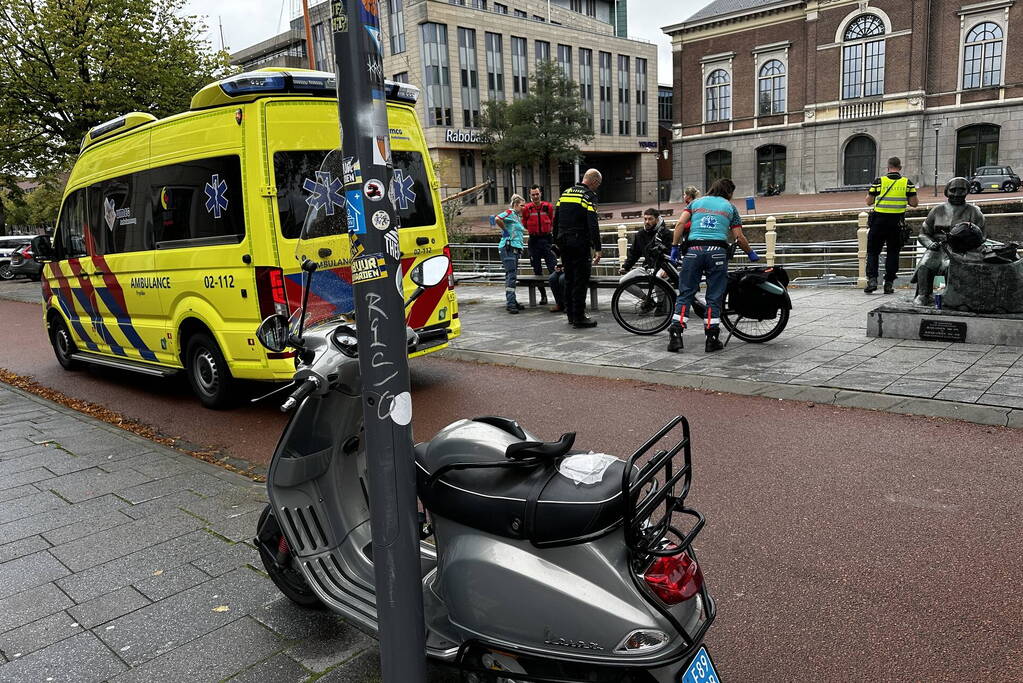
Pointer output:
469, 137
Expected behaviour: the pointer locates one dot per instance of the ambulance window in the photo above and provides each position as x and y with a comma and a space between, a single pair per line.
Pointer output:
413, 200
118, 224
299, 188
70, 240
197, 203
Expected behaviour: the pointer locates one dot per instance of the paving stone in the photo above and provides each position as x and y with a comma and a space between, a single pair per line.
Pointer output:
164, 504
152, 464
108, 607
93, 550
17, 492
79, 659
238, 528
29, 571
31, 505
280, 669
962, 394
38, 634
87, 527
27, 477
61, 517
199, 482
224, 560
363, 667
163, 583
24, 546
162, 626
94, 482
106, 442
908, 387
990, 398
211, 657
1008, 386
31, 605
863, 381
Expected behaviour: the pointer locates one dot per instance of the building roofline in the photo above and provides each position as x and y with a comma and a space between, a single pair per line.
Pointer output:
741, 14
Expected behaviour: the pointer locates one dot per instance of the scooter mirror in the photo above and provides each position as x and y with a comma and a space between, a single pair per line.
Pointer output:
273, 333
430, 272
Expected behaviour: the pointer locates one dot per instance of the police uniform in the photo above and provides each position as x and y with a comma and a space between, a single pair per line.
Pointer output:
891, 195
576, 232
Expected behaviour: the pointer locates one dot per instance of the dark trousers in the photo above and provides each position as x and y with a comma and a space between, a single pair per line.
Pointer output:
576, 261
885, 232
557, 284
540, 253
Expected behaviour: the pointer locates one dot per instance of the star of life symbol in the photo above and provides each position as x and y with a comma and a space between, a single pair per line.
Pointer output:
216, 202
708, 222
324, 192
404, 197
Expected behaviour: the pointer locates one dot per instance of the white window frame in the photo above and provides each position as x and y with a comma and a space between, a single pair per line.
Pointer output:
762, 55
843, 44
710, 64
967, 21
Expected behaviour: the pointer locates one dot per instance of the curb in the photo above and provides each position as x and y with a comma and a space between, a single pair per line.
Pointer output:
846, 398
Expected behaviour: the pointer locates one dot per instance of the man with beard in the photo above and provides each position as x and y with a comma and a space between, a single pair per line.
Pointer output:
934, 232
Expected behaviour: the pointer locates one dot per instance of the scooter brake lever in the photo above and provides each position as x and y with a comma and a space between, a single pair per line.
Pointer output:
275, 391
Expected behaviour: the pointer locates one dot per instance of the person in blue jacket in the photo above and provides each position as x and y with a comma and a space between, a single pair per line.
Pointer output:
711, 220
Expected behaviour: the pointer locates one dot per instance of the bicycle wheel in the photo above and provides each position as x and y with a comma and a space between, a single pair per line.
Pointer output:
753, 330
644, 305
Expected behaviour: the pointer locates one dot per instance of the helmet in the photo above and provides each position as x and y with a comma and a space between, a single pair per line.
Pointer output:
964, 237
956, 190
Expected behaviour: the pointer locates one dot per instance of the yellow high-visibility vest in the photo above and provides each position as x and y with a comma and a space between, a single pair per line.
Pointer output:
893, 197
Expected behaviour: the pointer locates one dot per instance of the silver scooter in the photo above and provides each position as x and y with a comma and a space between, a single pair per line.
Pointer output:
539, 562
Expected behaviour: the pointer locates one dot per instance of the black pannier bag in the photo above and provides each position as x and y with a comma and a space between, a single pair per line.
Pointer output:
749, 300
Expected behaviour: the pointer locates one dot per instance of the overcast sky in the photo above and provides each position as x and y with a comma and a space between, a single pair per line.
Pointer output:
246, 22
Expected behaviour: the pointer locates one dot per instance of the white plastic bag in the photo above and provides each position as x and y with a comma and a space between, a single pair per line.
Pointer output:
586, 468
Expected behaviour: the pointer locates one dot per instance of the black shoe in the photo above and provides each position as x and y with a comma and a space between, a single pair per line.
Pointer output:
889, 287
871, 286
543, 299
713, 343
513, 311
674, 339
583, 323
521, 307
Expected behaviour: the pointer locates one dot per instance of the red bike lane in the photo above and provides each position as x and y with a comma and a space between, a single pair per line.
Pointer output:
841, 544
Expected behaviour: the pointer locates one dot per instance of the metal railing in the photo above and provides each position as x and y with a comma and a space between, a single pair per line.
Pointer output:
839, 261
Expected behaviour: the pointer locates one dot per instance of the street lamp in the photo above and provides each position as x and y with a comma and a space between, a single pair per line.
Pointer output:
937, 125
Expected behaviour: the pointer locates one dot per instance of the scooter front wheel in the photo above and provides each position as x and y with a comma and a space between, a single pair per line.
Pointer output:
288, 580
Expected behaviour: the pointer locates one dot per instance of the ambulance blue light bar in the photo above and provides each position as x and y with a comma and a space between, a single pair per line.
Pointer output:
270, 81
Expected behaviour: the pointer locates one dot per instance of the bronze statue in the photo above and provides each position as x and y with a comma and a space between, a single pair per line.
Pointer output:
935, 232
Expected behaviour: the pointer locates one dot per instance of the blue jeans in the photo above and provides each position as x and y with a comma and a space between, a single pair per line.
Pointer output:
700, 261
540, 253
510, 261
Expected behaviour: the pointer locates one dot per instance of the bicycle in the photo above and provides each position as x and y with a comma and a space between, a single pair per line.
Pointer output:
757, 302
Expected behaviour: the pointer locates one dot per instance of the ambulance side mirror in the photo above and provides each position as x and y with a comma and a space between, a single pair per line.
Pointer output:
42, 249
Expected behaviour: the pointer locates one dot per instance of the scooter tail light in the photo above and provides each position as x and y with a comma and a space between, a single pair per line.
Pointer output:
674, 579
642, 642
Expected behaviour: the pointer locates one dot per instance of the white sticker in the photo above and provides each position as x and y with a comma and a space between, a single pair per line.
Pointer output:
373, 190
391, 243
401, 408
109, 214
381, 221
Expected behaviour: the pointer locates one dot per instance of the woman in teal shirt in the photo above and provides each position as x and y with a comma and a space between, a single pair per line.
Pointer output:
510, 247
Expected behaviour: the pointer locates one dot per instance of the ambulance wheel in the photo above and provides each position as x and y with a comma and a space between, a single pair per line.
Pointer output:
63, 344
208, 372
288, 580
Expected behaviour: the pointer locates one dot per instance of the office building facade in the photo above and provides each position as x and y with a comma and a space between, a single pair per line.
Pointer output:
811, 96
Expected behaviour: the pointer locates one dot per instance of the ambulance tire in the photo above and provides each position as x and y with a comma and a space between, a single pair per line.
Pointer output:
63, 344
208, 372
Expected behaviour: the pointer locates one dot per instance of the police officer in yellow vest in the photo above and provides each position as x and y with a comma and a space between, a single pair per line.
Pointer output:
889, 195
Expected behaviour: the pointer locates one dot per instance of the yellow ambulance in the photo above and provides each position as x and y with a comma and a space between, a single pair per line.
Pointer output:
177, 237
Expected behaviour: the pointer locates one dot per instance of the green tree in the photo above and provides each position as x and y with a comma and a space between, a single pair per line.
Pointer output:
68, 65
547, 125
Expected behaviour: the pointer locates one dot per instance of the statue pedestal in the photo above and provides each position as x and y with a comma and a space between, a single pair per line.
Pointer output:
903, 320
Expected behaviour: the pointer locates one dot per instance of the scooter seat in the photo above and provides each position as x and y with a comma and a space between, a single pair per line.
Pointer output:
476, 473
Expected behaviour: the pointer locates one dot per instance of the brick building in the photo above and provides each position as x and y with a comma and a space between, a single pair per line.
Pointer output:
460, 53
815, 95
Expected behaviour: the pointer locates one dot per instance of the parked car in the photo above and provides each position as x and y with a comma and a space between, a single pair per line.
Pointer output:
1001, 178
9, 245
22, 263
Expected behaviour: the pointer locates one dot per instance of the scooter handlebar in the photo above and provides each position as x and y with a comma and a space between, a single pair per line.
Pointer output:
307, 387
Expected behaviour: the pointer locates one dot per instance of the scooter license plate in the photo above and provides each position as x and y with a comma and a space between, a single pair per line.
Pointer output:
701, 669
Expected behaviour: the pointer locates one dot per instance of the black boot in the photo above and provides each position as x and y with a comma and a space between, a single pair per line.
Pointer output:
674, 338
889, 286
713, 343
871, 285
543, 297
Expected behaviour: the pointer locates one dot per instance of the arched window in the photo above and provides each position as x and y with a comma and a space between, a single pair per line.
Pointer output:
718, 164
719, 96
982, 56
863, 57
771, 88
771, 169
976, 146
860, 161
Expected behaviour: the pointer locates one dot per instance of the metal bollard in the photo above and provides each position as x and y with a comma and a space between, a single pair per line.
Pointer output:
771, 238
861, 248
623, 244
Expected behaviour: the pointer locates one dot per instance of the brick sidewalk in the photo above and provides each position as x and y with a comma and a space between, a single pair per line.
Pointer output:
122, 560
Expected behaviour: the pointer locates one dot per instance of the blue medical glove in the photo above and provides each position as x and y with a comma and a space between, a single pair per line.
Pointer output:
753, 256
673, 256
